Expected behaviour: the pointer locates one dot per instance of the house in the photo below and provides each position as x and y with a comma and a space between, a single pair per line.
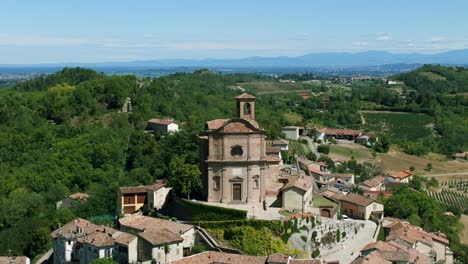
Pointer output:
346, 178
14, 260
434, 245
371, 185
297, 194
374, 195
304, 96
155, 234
360, 207
342, 187
212, 257
401, 177
80, 241
390, 252
142, 197
368, 139
324, 134
71, 200
281, 143
163, 126
461, 155
293, 132
315, 169
275, 152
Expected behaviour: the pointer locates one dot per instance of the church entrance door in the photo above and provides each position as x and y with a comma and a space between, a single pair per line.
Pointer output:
236, 192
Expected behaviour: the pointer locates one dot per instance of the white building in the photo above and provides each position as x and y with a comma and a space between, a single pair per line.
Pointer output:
292, 132
81, 241
163, 126
297, 194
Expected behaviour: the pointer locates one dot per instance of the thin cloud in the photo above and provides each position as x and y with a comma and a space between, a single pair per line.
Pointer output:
384, 38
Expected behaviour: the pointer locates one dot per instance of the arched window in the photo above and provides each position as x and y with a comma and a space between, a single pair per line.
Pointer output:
236, 151
216, 182
247, 109
256, 184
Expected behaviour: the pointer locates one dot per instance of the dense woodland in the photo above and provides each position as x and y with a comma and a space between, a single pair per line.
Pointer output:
63, 133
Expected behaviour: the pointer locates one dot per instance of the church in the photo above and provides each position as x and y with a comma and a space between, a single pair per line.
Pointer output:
234, 163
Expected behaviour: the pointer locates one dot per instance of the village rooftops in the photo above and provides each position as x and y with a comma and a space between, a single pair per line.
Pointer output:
161, 236
273, 150
370, 183
86, 232
161, 121
357, 199
402, 174
343, 175
212, 257
158, 184
394, 252
293, 127
280, 142
334, 131
14, 260
147, 223
404, 231
302, 182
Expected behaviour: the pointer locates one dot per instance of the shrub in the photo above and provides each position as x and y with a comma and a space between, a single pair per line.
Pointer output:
203, 212
325, 149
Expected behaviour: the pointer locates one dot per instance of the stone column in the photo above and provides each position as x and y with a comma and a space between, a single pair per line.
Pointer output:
224, 186
248, 184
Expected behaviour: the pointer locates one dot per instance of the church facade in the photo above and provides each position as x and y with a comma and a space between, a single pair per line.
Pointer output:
234, 162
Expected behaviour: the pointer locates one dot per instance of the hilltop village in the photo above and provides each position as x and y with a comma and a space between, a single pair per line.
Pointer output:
215, 177
244, 173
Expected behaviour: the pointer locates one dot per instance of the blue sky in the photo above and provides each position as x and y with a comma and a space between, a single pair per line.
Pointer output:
47, 31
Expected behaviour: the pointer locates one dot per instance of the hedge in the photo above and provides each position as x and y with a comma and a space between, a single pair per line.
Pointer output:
203, 212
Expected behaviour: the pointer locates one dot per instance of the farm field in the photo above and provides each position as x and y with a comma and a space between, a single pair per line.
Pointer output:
272, 87
396, 160
402, 127
346, 151
299, 148
451, 198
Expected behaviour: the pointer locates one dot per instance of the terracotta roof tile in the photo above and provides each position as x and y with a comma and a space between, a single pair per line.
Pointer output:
160, 236
79, 196
357, 199
161, 121
245, 96
402, 174
334, 131
302, 182
210, 257
141, 222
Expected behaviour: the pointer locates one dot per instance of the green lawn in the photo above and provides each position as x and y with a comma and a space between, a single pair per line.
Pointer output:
349, 152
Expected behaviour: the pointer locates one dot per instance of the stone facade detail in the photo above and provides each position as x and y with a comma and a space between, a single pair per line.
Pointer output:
234, 163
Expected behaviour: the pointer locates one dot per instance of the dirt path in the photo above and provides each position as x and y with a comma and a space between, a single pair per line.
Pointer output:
464, 233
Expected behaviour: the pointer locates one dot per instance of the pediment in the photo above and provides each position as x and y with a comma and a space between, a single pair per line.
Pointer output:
239, 126
236, 179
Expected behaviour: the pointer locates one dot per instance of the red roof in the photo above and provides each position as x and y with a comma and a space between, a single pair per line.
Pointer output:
333, 131
161, 121
402, 174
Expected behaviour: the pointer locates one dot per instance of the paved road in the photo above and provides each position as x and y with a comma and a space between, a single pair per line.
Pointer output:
445, 174
46, 258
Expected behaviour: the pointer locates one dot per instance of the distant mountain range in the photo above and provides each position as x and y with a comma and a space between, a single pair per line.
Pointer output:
332, 59
335, 59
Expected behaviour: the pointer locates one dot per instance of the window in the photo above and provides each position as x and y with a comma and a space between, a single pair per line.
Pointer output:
129, 200
216, 182
255, 185
247, 109
237, 151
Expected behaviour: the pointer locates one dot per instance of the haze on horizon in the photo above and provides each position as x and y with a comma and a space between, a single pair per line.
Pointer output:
54, 31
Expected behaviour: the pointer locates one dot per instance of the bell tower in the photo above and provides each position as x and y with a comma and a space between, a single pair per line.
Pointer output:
246, 106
